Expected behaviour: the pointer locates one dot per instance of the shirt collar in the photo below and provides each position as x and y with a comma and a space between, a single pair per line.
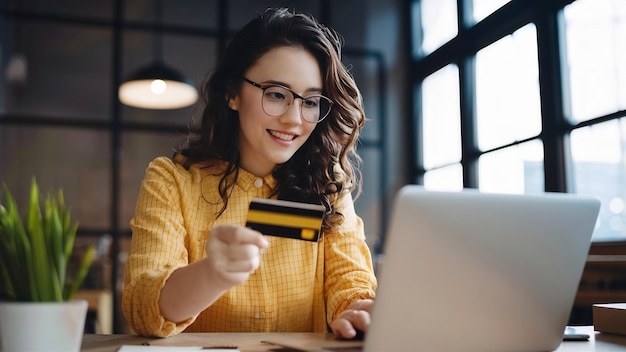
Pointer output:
246, 180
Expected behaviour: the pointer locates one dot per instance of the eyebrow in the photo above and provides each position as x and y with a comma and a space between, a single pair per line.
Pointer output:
286, 85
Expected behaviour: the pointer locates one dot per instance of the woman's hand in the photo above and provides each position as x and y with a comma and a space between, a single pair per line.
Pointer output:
355, 318
233, 253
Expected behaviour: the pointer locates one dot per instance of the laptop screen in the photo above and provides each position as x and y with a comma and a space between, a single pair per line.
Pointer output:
476, 271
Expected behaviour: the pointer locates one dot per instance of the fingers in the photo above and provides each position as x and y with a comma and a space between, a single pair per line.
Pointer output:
241, 251
243, 248
353, 320
350, 322
233, 253
240, 235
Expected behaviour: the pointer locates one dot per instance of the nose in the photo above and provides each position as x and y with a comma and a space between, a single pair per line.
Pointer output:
293, 115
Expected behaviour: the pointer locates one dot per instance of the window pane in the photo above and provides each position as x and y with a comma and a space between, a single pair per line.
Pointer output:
138, 150
449, 178
191, 13
439, 23
596, 52
74, 160
484, 8
507, 90
441, 118
598, 152
103, 9
517, 169
57, 69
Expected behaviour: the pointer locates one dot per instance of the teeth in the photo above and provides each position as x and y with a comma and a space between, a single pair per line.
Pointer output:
283, 136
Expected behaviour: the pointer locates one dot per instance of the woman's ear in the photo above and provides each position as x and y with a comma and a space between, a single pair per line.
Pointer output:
233, 103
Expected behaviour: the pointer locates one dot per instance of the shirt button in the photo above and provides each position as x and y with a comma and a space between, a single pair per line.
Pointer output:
258, 183
259, 315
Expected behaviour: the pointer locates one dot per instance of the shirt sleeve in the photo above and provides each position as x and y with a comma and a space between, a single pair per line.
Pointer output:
156, 250
348, 268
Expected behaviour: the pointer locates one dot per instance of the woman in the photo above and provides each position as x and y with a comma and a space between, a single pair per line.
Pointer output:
282, 118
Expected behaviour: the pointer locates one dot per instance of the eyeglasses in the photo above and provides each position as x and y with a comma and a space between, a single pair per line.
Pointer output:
277, 99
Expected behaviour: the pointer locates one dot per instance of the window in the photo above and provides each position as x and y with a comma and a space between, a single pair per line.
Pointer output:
524, 98
441, 127
507, 90
517, 169
596, 52
600, 171
484, 8
447, 178
438, 19
44, 150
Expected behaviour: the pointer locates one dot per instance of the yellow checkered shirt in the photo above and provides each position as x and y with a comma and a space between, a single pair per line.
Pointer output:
299, 286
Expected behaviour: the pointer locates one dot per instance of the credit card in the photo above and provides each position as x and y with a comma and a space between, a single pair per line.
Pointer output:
287, 219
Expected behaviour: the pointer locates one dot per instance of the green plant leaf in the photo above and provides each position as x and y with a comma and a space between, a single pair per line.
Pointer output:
18, 257
83, 269
41, 263
55, 243
7, 254
35, 252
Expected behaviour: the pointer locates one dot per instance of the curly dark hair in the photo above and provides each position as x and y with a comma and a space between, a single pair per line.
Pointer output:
328, 163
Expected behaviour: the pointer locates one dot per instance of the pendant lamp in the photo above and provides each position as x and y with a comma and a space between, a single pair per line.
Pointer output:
157, 86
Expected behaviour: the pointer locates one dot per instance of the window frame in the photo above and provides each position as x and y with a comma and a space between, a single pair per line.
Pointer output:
548, 19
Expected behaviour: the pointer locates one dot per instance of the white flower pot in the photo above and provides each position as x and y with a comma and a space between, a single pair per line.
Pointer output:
42, 326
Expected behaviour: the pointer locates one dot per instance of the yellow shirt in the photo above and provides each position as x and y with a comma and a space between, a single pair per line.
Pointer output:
299, 286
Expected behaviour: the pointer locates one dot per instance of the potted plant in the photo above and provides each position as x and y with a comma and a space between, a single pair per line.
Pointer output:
37, 282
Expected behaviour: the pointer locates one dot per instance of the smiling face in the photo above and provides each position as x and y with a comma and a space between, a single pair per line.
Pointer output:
264, 140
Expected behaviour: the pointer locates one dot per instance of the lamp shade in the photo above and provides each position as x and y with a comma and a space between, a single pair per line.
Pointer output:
157, 87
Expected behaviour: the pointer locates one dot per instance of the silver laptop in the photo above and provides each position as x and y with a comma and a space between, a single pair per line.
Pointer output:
471, 271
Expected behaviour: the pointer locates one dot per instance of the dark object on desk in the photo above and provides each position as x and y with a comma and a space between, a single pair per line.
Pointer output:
360, 336
610, 318
575, 337
345, 349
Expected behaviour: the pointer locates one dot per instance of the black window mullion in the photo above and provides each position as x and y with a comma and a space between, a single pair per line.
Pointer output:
554, 123
467, 100
116, 152
414, 129
469, 140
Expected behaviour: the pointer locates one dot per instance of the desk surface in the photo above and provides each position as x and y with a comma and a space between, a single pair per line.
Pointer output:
254, 342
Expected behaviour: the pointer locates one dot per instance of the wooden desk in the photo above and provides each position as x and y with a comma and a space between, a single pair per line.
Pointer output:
252, 342
245, 342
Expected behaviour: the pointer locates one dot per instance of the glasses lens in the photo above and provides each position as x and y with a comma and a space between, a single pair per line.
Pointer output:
315, 108
276, 100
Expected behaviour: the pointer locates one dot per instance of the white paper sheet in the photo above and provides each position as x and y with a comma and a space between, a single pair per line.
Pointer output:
141, 348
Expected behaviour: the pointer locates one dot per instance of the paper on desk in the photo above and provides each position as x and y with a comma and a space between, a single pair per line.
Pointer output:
138, 348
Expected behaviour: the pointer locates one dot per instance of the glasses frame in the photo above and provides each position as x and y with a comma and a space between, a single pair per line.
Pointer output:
295, 96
